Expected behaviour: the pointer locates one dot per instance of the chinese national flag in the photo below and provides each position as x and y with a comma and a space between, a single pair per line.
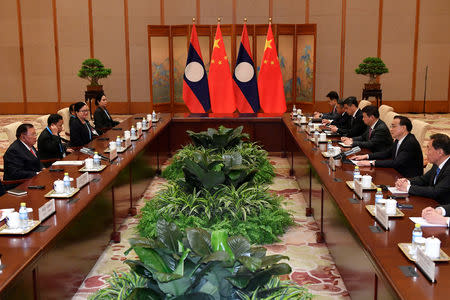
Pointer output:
220, 81
270, 82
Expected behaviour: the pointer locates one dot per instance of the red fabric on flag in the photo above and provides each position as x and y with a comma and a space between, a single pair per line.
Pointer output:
270, 81
220, 81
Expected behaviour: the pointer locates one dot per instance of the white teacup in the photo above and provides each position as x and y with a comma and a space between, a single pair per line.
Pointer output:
303, 119
316, 127
432, 247
89, 163
366, 181
58, 186
323, 137
391, 207
127, 134
13, 220
149, 117
299, 112
357, 178
112, 145
138, 125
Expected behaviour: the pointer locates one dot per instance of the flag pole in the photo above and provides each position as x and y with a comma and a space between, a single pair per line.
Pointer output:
245, 20
270, 20
218, 20
193, 20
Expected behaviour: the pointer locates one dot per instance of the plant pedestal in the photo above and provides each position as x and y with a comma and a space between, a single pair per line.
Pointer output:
378, 94
91, 95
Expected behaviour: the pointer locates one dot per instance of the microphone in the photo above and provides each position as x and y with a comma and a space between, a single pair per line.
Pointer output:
90, 152
347, 153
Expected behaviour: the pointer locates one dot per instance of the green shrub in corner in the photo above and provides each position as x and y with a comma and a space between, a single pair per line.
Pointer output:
202, 265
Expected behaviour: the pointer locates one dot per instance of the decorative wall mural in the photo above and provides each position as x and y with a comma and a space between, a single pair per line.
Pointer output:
305, 68
285, 57
160, 70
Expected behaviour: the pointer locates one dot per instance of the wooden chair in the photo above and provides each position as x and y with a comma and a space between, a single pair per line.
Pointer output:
10, 131
389, 117
420, 129
364, 103
384, 109
64, 113
42, 121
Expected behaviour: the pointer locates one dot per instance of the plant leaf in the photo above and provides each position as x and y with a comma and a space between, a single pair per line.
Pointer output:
168, 234
199, 241
239, 245
251, 263
144, 294
152, 260
216, 256
196, 296
272, 259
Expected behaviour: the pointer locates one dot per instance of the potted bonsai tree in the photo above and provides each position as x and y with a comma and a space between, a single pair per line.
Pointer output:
373, 67
92, 69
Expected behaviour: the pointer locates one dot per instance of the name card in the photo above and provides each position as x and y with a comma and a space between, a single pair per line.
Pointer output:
427, 266
127, 142
112, 154
332, 163
82, 180
358, 188
381, 216
46, 210
139, 132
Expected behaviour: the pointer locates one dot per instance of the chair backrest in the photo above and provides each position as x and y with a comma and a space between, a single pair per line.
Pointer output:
42, 121
10, 131
364, 103
64, 113
384, 109
420, 129
390, 117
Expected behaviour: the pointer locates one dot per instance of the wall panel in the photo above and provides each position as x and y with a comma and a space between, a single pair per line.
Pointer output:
178, 12
73, 43
289, 11
434, 49
256, 11
327, 15
141, 13
10, 77
361, 42
211, 9
109, 45
398, 37
39, 52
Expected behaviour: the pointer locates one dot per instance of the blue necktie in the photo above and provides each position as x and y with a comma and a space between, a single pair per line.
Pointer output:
437, 174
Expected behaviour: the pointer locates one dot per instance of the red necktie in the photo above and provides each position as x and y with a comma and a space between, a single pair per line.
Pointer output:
31, 149
370, 132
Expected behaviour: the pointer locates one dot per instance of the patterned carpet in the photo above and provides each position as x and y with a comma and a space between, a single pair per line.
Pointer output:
311, 262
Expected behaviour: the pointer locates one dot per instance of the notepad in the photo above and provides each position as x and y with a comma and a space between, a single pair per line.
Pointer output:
395, 191
424, 223
17, 192
68, 163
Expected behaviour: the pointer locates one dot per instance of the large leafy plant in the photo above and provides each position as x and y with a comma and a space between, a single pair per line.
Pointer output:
202, 265
373, 67
221, 138
92, 69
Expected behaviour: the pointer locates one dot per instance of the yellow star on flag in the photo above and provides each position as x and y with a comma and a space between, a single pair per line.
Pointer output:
268, 42
212, 61
271, 62
265, 61
225, 57
216, 43
220, 62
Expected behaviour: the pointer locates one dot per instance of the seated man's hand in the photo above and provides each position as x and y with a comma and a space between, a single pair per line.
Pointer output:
70, 150
363, 163
325, 121
434, 216
401, 184
426, 211
316, 114
333, 128
347, 141
359, 157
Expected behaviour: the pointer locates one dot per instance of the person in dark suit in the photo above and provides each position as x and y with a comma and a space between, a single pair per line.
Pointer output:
405, 155
102, 118
356, 126
342, 120
50, 144
21, 159
435, 183
376, 137
81, 132
333, 99
2, 192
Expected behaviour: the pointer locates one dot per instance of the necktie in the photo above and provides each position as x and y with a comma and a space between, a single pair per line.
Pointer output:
437, 174
31, 150
370, 132
106, 112
396, 150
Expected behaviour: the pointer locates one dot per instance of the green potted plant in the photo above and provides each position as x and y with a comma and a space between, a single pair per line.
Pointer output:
92, 69
373, 67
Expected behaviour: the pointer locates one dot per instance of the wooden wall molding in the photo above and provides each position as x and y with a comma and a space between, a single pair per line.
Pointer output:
416, 49
161, 11
91, 29
22, 60
57, 65
127, 53
380, 27
306, 11
342, 60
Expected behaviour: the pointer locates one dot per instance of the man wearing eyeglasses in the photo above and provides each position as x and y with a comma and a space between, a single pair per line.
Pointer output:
21, 160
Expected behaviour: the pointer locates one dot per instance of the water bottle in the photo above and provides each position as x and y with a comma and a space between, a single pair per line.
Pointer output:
66, 179
329, 145
378, 196
96, 160
355, 173
417, 233
294, 111
154, 116
23, 215
133, 132
118, 143
144, 123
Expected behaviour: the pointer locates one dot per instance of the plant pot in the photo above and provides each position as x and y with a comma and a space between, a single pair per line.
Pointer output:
372, 86
96, 88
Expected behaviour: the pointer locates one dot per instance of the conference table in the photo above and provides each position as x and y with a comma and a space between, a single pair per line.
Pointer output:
52, 261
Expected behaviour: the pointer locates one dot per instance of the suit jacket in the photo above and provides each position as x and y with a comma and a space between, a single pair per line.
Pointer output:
2, 189
380, 138
424, 185
342, 121
356, 126
409, 158
50, 146
332, 115
20, 163
102, 120
80, 134
447, 209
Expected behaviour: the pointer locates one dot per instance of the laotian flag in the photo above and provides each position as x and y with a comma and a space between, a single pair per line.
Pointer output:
220, 81
245, 84
195, 84
270, 81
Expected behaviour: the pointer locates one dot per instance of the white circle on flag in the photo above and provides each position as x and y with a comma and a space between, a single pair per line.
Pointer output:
194, 71
244, 72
